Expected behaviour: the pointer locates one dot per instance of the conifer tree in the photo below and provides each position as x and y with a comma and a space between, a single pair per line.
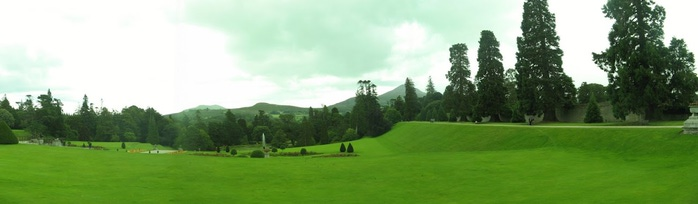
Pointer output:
490, 77
593, 114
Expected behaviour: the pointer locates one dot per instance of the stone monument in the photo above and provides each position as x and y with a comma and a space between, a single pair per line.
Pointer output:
690, 126
264, 147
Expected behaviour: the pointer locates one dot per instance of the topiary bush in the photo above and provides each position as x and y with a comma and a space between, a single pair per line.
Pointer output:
350, 149
274, 149
342, 148
233, 152
6, 134
304, 151
227, 148
218, 149
257, 154
123, 145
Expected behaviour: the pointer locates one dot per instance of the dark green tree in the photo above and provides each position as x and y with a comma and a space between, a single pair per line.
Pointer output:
350, 149
87, 123
460, 93
123, 145
593, 114
153, 134
51, 121
342, 148
588, 89
542, 85
432, 94
6, 116
6, 134
682, 79
106, 128
366, 113
392, 115
280, 140
636, 59
412, 105
490, 77
5, 104
306, 134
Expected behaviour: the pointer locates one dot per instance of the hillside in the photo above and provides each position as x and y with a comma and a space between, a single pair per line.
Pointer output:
217, 113
383, 99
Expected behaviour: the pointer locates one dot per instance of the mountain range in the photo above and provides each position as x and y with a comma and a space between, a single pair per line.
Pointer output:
216, 112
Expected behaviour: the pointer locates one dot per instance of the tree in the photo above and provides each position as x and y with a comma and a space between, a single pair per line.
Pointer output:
5, 104
459, 96
586, 90
349, 135
195, 139
350, 149
123, 145
682, 80
280, 140
153, 134
306, 134
51, 121
490, 77
432, 94
6, 134
411, 101
593, 114
366, 113
393, 116
86, 124
106, 129
257, 134
6, 117
636, 59
541, 82
342, 148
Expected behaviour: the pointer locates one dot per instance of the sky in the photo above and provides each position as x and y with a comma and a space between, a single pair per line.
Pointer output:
177, 54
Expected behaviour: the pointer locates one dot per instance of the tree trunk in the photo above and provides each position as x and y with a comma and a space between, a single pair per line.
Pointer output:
550, 115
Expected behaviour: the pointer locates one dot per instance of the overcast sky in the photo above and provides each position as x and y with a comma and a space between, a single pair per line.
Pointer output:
173, 55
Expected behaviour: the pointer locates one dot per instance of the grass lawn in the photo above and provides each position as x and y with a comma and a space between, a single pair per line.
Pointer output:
414, 163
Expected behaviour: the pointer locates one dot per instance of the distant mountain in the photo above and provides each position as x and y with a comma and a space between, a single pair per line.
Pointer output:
210, 107
383, 99
217, 113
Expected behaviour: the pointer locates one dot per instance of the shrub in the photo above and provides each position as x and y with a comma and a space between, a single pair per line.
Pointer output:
6, 134
350, 149
257, 154
227, 148
123, 145
342, 148
274, 149
304, 151
218, 149
593, 114
233, 152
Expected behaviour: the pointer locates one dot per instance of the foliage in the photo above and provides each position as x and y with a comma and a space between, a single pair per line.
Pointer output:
233, 152
350, 148
349, 135
6, 134
303, 151
280, 140
257, 154
644, 76
123, 145
366, 113
258, 131
587, 90
489, 79
6, 117
153, 134
593, 114
412, 105
194, 139
460, 93
306, 134
434, 110
542, 86
342, 148
432, 94
392, 115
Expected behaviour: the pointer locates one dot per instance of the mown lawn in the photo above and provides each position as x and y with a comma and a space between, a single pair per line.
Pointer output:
414, 163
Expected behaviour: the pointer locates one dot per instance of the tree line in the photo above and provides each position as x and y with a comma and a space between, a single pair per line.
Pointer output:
645, 77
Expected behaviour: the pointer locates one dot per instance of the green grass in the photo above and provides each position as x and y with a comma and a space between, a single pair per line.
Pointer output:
414, 163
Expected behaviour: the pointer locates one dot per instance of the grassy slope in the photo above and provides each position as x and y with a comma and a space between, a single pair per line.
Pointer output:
414, 163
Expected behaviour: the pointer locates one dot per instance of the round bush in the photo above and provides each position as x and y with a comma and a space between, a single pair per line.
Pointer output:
274, 150
304, 151
233, 152
257, 154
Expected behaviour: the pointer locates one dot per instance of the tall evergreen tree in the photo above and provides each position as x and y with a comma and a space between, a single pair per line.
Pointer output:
541, 82
593, 114
636, 59
460, 93
490, 77
50, 117
431, 95
412, 105
5, 104
87, 123
366, 114
153, 134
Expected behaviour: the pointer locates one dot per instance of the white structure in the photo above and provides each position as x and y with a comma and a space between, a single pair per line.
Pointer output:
690, 126
264, 147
